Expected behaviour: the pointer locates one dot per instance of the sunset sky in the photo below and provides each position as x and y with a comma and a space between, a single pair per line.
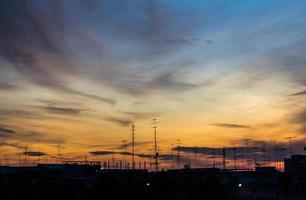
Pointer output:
76, 73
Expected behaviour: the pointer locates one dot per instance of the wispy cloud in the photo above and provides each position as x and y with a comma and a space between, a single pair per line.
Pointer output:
141, 115
6, 130
44, 56
101, 153
299, 93
6, 133
14, 135
129, 144
119, 121
300, 118
5, 113
7, 86
169, 82
63, 110
12, 144
35, 153
24, 57
228, 125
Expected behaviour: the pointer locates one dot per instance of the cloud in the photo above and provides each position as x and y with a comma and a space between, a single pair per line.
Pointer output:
18, 113
14, 145
100, 145
6, 130
27, 64
119, 121
6, 133
141, 115
37, 42
99, 98
40, 137
168, 82
63, 110
300, 118
129, 144
151, 25
101, 153
227, 125
7, 86
14, 135
298, 93
33, 41
121, 146
138, 85
34, 153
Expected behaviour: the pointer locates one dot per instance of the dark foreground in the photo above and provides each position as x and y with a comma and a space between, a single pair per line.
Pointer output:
76, 182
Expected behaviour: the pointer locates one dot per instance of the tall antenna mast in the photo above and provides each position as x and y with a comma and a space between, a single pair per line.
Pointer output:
124, 145
224, 158
214, 158
25, 155
247, 158
113, 160
59, 155
195, 162
133, 146
264, 154
273, 143
290, 145
172, 155
178, 153
6, 158
234, 149
155, 146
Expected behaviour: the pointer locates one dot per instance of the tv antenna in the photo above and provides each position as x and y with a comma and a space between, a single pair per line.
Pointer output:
155, 145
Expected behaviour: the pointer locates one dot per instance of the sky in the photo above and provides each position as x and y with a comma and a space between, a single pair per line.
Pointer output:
77, 73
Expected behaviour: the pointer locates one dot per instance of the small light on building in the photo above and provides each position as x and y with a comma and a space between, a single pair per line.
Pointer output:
148, 184
239, 185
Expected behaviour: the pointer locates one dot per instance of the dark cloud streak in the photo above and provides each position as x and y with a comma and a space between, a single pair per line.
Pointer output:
63, 110
7, 87
34, 153
119, 121
298, 93
227, 125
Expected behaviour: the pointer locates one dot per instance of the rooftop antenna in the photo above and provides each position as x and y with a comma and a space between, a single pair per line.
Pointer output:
124, 145
264, 154
172, 155
155, 145
224, 158
113, 160
234, 152
214, 157
257, 155
274, 159
39, 156
290, 145
6, 158
25, 155
178, 153
133, 146
247, 153
195, 156
59, 155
